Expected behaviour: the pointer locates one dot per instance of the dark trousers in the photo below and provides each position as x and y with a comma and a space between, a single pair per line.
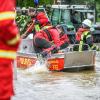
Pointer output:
84, 47
40, 44
65, 45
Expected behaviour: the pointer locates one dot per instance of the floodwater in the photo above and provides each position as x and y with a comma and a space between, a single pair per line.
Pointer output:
84, 85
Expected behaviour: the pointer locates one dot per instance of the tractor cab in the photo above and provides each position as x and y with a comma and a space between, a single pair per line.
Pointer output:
89, 13
61, 15
71, 16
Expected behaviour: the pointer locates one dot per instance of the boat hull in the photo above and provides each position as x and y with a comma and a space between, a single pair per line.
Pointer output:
57, 62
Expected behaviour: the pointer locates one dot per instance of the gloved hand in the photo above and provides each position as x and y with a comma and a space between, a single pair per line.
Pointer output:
55, 49
44, 54
37, 22
64, 45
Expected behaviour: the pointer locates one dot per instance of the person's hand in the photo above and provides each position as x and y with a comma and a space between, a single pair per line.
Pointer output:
33, 21
55, 49
36, 22
44, 54
23, 36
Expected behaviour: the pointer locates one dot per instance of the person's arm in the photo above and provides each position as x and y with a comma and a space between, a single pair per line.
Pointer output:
65, 38
55, 36
26, 33
8, 28
42, 18
89, 41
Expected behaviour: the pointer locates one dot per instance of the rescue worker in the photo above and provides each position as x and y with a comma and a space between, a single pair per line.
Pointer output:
84, 37
22, 20
76, 19
49, 10
39, 21
79, 33
47, 41
63, 37
39, 18
9, 41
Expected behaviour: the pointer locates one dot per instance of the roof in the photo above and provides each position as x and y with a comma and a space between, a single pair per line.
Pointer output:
70, 6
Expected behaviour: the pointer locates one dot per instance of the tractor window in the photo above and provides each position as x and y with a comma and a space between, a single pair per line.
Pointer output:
65, 16
55, 16
60, 16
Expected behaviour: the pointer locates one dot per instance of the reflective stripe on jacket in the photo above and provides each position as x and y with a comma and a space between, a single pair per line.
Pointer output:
7, 15
79, 33
7, 54
84, 36
9, 37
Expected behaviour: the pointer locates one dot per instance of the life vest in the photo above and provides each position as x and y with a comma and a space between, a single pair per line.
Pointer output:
50, 34
85, 35
79, 33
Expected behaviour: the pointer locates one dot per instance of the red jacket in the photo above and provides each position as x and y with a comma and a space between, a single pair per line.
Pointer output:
9, 37
9, 41
41, 18
64, 38
54, 34
79, 33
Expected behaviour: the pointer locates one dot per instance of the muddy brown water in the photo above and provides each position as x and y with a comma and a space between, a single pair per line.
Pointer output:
84, 85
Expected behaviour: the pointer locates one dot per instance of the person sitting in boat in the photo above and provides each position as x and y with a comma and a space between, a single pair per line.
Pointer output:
79, 33
84, 37
63, 37
48, 41
39, 20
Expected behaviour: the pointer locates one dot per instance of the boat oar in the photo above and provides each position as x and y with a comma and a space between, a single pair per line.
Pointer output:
26, 32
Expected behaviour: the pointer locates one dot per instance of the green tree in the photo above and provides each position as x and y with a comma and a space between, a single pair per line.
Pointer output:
27, 3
